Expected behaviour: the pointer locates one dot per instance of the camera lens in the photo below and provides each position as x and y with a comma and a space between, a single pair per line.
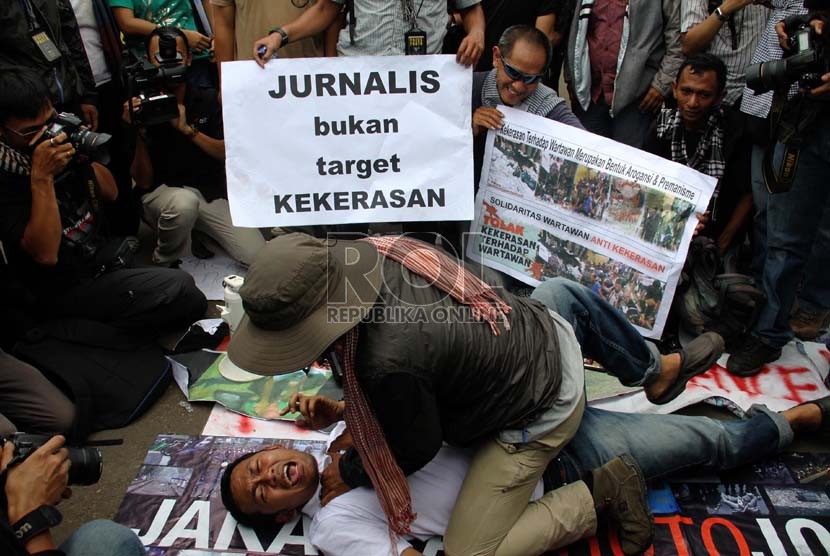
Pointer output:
87, 465
89, 142
766, 76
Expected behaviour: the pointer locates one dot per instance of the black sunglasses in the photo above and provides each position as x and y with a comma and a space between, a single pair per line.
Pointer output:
516, 75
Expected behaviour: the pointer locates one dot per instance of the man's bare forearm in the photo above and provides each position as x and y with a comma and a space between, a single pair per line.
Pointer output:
42, 235
313, 21
223, 29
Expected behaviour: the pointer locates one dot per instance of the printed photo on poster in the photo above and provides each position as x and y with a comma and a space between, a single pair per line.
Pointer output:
557, 201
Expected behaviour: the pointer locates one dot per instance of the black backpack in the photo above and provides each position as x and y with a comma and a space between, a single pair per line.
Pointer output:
110, 375
728, 304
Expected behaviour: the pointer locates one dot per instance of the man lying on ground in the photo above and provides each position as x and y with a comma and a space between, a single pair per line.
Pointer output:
272, 485
472, 367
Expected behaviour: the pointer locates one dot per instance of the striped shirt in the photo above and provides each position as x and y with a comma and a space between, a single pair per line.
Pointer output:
769, 49
749, 23
381, 24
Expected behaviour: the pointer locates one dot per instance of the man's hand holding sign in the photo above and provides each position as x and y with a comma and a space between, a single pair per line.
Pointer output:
377, 139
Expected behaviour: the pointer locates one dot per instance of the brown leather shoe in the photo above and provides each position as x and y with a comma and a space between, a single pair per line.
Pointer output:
808, 325
620, 492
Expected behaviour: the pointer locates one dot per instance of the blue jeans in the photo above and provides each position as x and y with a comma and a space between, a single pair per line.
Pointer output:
603, 332
814, 293
103, 538
666, 444
796, 222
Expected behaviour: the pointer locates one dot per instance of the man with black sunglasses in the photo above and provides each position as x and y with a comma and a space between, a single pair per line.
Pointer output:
520, 60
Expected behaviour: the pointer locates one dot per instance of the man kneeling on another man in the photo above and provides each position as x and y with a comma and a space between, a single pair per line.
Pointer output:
272, 485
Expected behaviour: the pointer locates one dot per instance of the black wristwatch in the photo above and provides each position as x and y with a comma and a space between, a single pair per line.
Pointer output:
282, 33
720, 15
36, 522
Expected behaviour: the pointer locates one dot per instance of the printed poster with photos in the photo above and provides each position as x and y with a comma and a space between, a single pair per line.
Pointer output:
776, 507
555, 200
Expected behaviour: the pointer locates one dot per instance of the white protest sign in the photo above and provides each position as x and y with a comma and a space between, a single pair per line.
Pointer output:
555, 200
348, 140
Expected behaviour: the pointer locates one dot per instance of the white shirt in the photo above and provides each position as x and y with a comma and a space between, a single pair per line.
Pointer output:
91, 38
353, 524
749, 22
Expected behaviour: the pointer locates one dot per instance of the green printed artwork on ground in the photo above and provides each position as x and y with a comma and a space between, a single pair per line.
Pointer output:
263, 398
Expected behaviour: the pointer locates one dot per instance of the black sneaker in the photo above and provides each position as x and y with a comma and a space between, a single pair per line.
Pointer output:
751, 356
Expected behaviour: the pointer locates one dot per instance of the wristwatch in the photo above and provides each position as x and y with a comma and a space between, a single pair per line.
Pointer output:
720, 15
36, 522
282, 33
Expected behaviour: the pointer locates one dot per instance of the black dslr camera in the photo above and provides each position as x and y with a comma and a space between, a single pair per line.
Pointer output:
86, 463
806, 61
145, 80
87, 142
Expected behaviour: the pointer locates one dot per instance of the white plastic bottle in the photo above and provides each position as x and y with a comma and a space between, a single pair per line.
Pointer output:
232, 311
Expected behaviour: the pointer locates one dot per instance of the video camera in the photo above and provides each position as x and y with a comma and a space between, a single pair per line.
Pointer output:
86, 462
145, 80
86, 142
805, 62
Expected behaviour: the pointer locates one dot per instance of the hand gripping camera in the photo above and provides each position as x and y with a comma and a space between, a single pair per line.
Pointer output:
86, 462
145, 80
87, 142
806, 61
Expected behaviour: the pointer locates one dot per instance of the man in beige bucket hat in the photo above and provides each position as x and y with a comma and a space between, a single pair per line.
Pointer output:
430, 353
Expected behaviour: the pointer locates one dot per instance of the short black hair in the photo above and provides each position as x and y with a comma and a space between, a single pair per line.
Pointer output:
167, 31
705, 62
23, 94
527, 33
817, 4
251, 520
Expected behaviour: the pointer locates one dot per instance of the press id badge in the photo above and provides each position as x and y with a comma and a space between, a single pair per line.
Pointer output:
415, 42
46, 46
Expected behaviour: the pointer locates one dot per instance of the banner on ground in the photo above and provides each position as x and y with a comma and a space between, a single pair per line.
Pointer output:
199, 377
799, 375
348, 140
554, 200
780, 506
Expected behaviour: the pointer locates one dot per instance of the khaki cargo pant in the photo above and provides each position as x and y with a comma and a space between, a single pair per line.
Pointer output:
493, 515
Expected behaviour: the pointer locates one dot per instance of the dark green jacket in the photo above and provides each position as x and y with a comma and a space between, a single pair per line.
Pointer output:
430, 381
69, 78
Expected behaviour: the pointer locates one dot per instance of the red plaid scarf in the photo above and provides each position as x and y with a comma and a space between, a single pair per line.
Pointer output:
378, 461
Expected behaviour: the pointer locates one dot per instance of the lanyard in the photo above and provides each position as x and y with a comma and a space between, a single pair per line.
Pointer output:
410, 14
26, 7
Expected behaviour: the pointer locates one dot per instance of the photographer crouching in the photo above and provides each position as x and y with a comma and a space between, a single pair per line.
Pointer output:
32, 480
52, 232
795, 172
179, 164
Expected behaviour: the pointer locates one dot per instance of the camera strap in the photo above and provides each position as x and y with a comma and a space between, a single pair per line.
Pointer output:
36, 522
780, 181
